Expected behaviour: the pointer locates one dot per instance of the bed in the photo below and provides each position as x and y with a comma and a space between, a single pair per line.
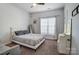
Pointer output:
29, 40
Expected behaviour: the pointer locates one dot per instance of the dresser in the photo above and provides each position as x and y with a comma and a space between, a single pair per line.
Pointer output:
63, 43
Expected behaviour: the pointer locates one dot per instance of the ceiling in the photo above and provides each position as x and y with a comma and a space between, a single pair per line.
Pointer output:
39, 8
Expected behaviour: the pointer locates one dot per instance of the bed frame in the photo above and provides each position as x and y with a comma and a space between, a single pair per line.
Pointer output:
30, 46
26, 45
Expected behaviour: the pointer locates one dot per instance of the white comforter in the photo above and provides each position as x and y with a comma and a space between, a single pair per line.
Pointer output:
31, 39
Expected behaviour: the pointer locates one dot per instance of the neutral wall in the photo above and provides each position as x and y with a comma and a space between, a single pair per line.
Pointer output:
11, 16
75, 32
59, 14
75, 26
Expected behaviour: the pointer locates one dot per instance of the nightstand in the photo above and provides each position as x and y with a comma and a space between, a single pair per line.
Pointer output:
5, 50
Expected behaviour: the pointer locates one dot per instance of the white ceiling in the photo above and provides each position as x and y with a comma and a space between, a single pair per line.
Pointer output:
39, 8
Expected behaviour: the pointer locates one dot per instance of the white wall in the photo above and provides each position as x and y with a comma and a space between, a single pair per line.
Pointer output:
11, 16
59, 13
75, 26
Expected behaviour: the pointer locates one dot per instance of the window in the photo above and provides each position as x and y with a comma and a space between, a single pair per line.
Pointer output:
48, 25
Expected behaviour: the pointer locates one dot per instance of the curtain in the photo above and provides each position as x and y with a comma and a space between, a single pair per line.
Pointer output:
48, 25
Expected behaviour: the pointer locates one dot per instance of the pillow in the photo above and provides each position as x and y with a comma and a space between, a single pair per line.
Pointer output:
21, 32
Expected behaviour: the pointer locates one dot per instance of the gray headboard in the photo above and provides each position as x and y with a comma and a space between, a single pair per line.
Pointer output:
21, 32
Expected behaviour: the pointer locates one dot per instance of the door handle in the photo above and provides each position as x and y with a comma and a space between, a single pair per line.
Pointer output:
68, 39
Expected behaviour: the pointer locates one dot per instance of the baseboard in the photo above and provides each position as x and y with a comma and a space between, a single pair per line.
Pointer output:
73, 51
51, 38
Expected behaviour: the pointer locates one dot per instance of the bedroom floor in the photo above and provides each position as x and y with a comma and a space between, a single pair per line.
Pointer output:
49, 47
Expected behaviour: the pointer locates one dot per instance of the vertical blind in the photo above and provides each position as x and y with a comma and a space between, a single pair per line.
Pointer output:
48, 25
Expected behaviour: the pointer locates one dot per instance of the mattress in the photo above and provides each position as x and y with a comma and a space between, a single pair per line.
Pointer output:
30, 39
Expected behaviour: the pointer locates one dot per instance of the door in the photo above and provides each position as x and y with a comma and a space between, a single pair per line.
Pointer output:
48, 27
